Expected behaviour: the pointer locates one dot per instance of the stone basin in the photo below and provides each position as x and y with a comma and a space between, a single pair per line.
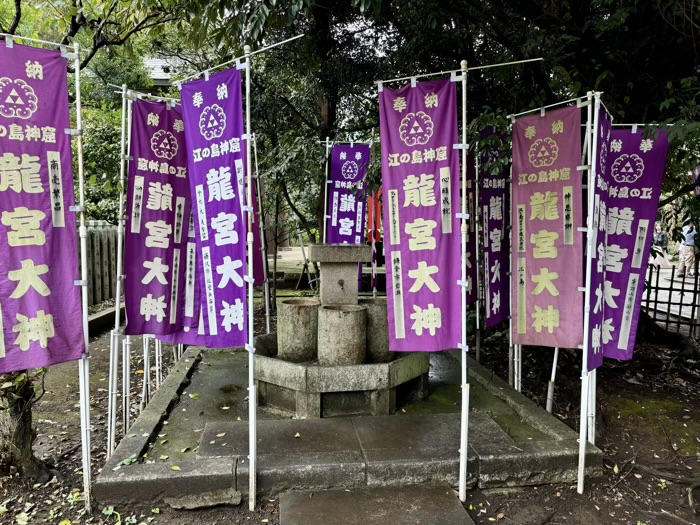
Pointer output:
310, 391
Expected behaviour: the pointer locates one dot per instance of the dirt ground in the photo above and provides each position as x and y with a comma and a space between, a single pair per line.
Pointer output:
648, 428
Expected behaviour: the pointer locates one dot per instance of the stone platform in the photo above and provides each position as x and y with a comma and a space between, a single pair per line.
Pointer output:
512, 442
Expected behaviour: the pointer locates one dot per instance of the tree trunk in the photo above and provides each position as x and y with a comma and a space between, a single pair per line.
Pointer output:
16, 432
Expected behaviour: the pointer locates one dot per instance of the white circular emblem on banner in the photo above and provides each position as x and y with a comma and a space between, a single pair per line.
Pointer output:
627, 168
17, 99
416, 129
543, 152
350, 170
164, 144
212, 122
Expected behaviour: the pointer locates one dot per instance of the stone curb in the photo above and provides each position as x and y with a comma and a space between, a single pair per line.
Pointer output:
102, 321
142, 432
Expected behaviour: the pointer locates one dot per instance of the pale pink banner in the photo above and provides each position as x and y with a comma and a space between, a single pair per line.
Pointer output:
547, 245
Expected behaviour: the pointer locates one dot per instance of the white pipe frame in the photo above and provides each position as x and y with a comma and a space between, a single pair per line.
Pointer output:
84, 363
263, 238
551, 384
326, 193
116, 332
464, 347
477, 244
585, 380
252, 392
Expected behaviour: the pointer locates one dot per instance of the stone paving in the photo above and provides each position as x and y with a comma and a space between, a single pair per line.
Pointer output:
192, 439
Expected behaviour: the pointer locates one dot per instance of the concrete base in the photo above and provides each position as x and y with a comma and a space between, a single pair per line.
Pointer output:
413, 505
512, 442
311, 391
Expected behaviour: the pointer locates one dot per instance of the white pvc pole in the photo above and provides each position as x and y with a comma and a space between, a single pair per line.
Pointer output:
374, 255
159, 361
252, 392
592, 376
326, 193
592, 136
114, 340
464, 225
84, 363
477, 243
146, 394
511, 349
126, 383
550, 386
263, 237
518, 367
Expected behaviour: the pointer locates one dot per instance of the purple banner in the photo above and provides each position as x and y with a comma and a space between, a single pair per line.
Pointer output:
213, 111
347, 196
158, 209
420, 184
495, 205
600, 298
547, 213
258, 253
630, 191
41, 321
472, 234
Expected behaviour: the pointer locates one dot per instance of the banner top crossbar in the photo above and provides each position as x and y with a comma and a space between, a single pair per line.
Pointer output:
140, 94
9, 37
233, 60
578, 100
456, 71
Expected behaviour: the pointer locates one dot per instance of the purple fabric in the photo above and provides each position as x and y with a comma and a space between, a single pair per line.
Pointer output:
472, 292
598, 304
547, 212
158, 210
213, 114
347, 204
420, 185
495, 205
258, 254
631, 188
40, 307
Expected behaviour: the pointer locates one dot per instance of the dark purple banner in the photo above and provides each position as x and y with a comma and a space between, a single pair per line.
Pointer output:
40, 308
213, 111
347, 194
600, 297
495, 206
420, 185
472, 233
630, 191
158, 211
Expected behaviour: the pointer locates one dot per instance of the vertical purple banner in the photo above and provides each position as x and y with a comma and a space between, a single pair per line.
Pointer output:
632, 187
600, 298
495, 206
40, 308
472, 234
213, 111
420, 184
258, 254
547, 213
158, 210
347, 196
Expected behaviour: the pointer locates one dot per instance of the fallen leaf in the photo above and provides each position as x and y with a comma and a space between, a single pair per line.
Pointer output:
616, 469
194, 396
163, 457
176, 468
222, 434
297, 435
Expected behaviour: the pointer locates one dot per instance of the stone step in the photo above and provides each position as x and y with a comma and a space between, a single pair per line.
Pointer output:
409, 505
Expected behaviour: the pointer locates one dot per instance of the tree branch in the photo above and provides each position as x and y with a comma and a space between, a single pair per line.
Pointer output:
17, 18
680, 192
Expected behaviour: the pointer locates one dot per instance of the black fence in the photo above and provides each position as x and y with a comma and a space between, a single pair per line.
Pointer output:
672, 301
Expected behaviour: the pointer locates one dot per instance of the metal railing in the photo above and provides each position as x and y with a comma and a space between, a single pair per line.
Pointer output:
672, 301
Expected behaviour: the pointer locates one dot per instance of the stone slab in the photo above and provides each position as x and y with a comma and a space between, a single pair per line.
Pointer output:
413, 449
339, 253
411, 505
326, 454
150, 483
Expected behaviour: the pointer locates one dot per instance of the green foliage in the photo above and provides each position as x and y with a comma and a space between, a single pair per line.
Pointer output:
102, 142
